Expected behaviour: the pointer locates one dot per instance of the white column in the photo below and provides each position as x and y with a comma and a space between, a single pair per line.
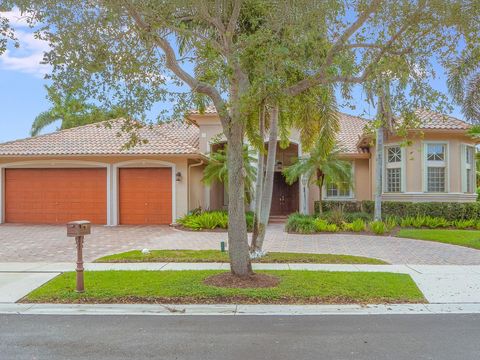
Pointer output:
114, 220
2, 195
109, 195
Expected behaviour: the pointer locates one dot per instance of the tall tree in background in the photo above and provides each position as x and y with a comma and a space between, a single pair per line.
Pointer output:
136, 54
72, 112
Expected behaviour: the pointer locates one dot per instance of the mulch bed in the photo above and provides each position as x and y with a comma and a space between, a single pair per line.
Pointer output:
228, 280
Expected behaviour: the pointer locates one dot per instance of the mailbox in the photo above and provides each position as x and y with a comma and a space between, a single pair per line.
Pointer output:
78, 228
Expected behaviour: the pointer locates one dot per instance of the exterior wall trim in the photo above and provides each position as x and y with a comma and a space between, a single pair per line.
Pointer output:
140, 163
48, 164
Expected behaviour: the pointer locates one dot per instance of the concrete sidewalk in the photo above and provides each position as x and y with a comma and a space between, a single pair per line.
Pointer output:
441, 284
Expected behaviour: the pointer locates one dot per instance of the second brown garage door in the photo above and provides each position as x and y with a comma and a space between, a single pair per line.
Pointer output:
145, 196
55, 196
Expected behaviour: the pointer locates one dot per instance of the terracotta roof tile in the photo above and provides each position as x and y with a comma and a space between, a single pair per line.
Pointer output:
107, 138
351, 128
433, 120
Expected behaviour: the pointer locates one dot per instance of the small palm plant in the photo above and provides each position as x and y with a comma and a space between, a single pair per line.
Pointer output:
217, 170
321, 166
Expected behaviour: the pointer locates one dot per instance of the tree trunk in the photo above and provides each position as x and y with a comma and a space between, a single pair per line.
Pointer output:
266, 200
259, 181
238, 250
378, 173
320, 179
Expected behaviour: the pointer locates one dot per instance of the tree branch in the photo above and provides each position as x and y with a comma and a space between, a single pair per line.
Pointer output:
305, 84
173, 64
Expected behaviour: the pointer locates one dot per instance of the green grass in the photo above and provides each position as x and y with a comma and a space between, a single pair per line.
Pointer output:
468, 238
188, 287
218, 256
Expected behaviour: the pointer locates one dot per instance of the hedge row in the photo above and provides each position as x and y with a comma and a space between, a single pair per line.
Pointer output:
447, 210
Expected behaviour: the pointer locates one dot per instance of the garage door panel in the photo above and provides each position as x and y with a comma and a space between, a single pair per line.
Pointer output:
53, 196
145, 196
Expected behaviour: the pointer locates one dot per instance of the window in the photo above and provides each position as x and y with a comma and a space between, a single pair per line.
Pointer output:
436, 156
393, 183
468, 183
338, 190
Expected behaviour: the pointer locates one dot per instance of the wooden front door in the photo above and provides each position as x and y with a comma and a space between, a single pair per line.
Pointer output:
145, 196
284, 196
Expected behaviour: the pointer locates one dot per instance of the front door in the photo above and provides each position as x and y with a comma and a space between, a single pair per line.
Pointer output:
284, 196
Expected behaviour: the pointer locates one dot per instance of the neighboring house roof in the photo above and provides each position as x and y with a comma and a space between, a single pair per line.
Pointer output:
351, 128
210, 109
107, 138
436, 121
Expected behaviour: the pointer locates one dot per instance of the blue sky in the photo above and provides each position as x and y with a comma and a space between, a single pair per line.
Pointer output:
22, 86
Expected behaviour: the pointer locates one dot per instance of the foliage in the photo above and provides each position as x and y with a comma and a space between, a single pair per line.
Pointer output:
301, 224
351, 217
209, 220
322, 225
464, 224
72, 111
378, 227
194, 256
358, 225
217, 169
450, 211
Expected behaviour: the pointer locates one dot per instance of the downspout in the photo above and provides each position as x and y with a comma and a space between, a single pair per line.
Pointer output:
189, 181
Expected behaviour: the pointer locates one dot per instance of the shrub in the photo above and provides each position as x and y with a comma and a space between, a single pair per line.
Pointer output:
321, 225
351, 217
436, 222
448, 211
357, 225
391, 223
378, 227
302, 224
336, 216
464, 224
209, 220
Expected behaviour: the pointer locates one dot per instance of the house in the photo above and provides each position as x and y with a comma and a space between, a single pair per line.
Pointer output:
87, 173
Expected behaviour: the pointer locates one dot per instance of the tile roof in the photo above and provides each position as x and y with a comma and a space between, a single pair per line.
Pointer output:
209, 109
351, 128
107, 138
433, 120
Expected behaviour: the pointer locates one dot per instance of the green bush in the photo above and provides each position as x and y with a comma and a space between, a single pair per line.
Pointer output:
447, 210
322, 225
464, 224
209, 220
436, 222
351, 217
391, 223
302, 224
378, 227
358, 225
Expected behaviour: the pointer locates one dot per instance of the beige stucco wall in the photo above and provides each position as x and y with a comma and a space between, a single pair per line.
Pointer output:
414, 167
180, 163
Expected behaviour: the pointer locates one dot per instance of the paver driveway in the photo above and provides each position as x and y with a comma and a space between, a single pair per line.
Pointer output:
41, 243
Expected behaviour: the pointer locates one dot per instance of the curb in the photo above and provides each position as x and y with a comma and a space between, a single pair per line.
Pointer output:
237, 309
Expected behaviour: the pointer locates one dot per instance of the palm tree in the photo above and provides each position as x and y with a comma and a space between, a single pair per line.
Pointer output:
72, 111
217, 170
464, 83
321, 166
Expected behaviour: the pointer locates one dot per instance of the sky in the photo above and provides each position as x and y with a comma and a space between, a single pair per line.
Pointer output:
23, 94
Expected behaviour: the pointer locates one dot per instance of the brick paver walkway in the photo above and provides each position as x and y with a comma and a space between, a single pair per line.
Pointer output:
40, 243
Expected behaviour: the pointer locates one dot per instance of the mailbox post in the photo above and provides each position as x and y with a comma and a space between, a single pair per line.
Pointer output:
78, 229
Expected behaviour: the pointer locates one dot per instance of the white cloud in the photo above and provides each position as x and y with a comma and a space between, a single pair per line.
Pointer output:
27, 58
15, 18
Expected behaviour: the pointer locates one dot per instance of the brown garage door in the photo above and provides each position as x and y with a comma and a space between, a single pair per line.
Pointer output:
145, 196
55, 196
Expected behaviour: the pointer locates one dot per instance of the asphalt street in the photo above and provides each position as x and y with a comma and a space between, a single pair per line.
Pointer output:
372, 337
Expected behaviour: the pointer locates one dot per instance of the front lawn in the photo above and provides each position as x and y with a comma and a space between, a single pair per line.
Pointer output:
296, 287
468, 238
218, 256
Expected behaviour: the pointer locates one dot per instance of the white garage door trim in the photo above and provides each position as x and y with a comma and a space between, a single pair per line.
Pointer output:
53, 164
144, 163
